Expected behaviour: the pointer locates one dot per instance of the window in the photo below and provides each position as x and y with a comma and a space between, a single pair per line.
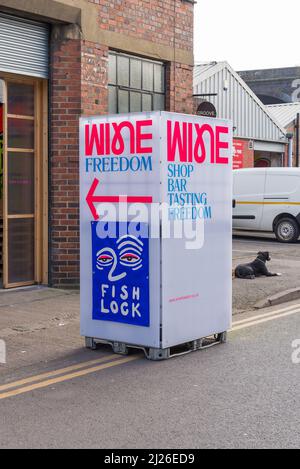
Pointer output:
135, 84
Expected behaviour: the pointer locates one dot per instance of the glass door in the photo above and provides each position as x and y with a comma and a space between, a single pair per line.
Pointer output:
19, 185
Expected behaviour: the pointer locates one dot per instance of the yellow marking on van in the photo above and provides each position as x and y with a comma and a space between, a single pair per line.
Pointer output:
267, 203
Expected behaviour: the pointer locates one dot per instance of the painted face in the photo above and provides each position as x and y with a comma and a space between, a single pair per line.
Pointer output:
126, 257
120, 265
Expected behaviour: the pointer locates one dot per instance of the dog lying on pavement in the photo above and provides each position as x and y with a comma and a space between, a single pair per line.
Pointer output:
257, 268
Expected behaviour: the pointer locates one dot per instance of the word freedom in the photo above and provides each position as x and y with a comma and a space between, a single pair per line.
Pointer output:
120, 164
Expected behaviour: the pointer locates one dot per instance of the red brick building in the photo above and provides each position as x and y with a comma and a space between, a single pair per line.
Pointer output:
60, 60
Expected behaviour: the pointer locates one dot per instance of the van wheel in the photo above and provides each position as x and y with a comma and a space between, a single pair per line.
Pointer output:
287, 230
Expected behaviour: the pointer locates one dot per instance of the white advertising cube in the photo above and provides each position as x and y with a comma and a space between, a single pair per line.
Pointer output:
156, 228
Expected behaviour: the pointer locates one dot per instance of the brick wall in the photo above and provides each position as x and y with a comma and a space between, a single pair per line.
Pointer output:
64, 184
247, 156
79, 79
179, 78
168, 22
94, 76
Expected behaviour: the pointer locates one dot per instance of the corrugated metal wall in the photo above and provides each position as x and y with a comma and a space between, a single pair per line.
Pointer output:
24, 46
238, 104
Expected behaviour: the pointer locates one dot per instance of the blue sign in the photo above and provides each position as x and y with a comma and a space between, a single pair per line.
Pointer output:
121, 274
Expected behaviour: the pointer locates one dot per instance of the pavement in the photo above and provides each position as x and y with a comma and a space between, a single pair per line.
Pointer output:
243, 394
285, 259
38, 325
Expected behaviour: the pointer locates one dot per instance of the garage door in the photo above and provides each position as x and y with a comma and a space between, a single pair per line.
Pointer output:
24, 47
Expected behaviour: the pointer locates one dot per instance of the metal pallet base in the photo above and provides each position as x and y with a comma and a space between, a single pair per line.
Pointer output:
155, 354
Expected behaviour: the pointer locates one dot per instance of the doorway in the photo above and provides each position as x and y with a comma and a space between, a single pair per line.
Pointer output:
23, 185
265, 159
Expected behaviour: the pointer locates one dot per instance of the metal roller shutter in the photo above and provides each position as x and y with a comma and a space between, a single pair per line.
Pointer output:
24, 46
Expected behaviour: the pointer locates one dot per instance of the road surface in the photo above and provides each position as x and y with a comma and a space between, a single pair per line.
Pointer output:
285, 258
244, 394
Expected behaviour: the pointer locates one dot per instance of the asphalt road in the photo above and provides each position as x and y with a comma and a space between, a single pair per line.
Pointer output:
285, 258
243, 394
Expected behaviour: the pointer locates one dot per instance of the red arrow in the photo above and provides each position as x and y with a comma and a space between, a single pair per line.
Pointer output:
92, 199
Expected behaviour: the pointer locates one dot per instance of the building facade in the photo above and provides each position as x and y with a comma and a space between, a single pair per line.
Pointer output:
60, 60
288, 115
259, 140
275, 85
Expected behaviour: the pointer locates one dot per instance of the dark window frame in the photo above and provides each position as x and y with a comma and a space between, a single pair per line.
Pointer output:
140, 91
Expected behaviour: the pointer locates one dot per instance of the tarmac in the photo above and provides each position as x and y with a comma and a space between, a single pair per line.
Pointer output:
266, 291
41, 324
242, 394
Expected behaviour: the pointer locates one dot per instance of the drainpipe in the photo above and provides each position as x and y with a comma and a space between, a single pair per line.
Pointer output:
290, 137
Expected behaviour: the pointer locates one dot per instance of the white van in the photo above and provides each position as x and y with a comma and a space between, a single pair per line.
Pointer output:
268, 199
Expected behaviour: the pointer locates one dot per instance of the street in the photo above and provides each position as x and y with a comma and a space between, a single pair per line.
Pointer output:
135, 137
285, 259
244, 394
41, 324
55, 393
